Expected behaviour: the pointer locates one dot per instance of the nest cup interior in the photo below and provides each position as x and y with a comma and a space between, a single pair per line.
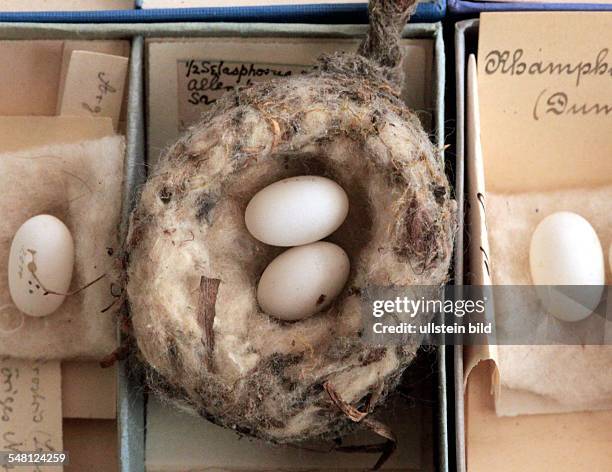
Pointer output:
353, 235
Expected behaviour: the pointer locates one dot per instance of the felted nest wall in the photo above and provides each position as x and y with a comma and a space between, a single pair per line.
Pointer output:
193, 268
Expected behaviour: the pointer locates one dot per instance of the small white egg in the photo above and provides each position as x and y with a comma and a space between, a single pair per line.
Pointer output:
296, 211
41, 260
565, 251
303, 281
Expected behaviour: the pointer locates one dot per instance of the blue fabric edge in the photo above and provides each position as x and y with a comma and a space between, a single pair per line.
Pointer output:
463, 7
350, 13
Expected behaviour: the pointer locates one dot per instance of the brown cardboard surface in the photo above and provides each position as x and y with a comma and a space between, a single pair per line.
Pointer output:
18, 133
168, 89
30, 408
561, 443
29, 77
91, 445
32, 72
88, 390
549, 129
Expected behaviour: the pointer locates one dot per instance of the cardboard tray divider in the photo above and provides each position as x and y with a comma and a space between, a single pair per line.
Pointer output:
464, 35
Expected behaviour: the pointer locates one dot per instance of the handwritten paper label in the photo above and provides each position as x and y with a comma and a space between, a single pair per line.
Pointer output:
202, 82
30, 409
545, 87
169, 77
94, 85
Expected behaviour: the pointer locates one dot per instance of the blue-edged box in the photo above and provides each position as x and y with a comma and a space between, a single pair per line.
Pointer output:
130, 426
301, 11
167, 429
483, 440
133, 425
471, 8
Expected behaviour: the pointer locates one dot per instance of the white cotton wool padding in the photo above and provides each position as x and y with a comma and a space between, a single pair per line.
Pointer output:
574, 375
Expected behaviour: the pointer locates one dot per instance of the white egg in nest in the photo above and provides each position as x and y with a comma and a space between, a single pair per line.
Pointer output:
296, 211
303, 281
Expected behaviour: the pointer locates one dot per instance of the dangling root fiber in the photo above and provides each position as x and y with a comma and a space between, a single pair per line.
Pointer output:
387, 448
118, 354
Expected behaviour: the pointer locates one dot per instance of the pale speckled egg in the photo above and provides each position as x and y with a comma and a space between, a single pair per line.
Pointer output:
303, 281
296, 211
41, 260
565, 251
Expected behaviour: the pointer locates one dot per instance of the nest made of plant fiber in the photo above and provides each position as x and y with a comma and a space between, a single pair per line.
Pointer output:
193, 268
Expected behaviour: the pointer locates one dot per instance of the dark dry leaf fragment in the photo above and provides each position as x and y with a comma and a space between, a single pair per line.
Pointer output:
206, 317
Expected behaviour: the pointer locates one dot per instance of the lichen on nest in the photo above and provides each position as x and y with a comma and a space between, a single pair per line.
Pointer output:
192, 268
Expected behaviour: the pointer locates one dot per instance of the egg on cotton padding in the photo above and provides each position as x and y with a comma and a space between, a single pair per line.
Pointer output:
565, 251
41, 261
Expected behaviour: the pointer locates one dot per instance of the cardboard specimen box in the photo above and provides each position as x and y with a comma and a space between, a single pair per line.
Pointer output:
27, 122
423, 443
536, 118
79, 391
174, 440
